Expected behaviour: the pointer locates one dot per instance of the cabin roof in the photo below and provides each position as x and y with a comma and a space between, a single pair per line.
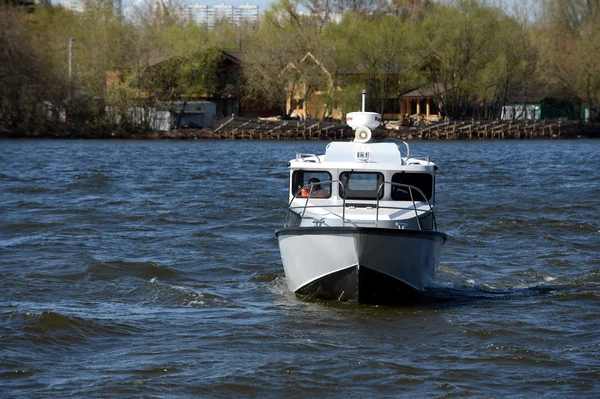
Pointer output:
431, 90
362, 157
235, 56
375, 152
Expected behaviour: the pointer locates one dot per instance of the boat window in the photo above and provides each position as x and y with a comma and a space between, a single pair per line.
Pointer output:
423, 181
360, 185
302, 178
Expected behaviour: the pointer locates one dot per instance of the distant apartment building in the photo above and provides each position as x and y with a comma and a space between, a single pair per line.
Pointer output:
247, 12
197, 13
80, 5
73, 5
207, 15
160, 5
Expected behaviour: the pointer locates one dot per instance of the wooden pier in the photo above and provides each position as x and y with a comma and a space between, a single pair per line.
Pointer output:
238, 128
484, 129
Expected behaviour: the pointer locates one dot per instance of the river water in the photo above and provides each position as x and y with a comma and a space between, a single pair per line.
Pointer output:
150, 269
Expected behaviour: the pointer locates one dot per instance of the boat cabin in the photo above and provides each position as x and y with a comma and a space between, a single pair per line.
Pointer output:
368, 183
360, 170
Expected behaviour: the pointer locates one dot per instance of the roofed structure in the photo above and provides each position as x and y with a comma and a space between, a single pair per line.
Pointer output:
411, 102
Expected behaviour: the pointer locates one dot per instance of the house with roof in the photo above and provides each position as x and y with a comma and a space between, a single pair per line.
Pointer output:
227, 93
423, 101
310, 84
536, 103
313, 92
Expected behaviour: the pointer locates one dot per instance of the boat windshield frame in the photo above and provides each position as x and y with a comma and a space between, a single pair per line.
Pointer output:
344, 204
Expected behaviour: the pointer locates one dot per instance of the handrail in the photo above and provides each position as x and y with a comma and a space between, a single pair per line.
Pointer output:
323, 206
410, 188
301, 156
343, 205
396, 141
310, 190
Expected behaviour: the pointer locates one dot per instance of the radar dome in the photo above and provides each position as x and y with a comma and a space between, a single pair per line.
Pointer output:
372, 120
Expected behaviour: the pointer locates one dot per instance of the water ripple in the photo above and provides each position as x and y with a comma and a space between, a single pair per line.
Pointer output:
150, 269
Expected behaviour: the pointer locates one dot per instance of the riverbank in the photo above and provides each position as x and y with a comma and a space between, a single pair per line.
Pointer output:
101, 134
244, 131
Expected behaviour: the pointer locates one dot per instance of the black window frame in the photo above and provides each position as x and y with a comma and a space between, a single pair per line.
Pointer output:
301, 177
428, 189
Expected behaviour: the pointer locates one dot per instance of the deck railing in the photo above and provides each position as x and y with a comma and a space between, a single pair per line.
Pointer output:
412, 199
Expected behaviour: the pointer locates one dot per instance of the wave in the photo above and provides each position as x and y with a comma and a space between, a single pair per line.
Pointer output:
265, 277
28, 225
29, 190
120, 268
475, 291
178, 219
53, 327
156, 292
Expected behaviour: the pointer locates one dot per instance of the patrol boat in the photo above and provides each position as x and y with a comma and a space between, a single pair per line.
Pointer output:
360, 224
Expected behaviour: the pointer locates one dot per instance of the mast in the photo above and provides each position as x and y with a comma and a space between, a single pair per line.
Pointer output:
364, 97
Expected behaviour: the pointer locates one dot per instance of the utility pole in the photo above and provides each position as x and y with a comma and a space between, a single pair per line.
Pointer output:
71, 40
120, 10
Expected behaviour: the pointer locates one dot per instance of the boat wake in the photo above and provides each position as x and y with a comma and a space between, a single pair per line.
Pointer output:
440, 294
468, 292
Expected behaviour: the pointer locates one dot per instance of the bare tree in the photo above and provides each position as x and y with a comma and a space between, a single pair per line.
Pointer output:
26, 86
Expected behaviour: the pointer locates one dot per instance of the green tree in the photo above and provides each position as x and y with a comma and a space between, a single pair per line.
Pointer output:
274, 56
510, 70
177, 62
33, 67
409, 9
472, 54
22, 79
378, 49
100, 42
569, 49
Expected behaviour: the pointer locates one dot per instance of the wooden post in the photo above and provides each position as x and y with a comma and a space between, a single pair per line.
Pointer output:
485, 109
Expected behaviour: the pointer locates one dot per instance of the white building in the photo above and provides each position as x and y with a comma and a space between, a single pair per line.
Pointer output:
207, 16
221, 11
160, 5
80, 5
197, 13
73, 5
247, 12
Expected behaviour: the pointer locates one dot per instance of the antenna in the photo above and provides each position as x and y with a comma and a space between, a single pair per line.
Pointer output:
70, 67
364, 96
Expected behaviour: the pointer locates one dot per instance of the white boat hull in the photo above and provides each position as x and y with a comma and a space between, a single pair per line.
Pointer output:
359, 263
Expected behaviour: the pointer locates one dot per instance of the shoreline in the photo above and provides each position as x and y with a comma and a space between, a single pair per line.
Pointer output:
212, 134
